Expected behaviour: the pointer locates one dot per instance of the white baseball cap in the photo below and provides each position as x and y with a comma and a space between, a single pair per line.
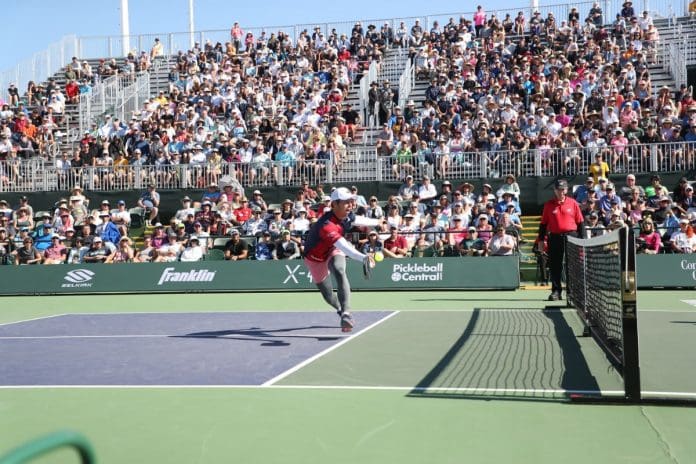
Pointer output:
341, 194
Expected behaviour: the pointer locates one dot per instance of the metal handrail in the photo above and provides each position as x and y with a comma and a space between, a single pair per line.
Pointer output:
112, 97
359, 164
406, 82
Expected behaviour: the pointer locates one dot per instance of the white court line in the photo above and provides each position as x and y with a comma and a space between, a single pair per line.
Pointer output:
357, 311
243, 335
33, 319
423, 390
690, 302
326, 351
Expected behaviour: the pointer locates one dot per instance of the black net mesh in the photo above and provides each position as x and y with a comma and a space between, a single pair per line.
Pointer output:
594, 288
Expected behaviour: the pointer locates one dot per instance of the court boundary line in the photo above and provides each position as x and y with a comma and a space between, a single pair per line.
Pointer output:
453, 390
33, 319
459, 310
423, 390
313, 358
235, 335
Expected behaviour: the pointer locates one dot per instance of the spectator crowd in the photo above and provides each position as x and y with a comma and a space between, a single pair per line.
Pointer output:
417, 220
571, 92
503, 92
506, 92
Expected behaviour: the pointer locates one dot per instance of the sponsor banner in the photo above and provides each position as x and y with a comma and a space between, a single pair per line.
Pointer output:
444, 273
677, 270
78, 278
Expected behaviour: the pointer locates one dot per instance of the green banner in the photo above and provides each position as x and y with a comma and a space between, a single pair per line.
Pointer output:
240, 276
678, 270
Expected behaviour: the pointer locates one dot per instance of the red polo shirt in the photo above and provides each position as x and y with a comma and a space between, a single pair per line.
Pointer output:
242, 214
561, 216
398, 242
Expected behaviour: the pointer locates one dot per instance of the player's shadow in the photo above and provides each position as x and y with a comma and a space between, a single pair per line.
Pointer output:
267, 337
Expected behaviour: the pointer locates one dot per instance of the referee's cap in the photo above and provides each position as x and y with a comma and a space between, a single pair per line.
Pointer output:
560, 184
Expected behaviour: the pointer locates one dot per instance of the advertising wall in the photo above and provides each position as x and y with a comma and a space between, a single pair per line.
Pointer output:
240, 276
666, 270
223, 276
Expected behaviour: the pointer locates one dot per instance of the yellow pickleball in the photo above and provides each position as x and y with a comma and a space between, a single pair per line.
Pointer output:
379, 256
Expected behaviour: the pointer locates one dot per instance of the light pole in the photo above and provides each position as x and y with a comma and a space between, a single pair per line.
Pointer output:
191, 34
125, 27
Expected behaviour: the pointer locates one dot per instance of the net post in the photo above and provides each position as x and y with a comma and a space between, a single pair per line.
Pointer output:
629, 315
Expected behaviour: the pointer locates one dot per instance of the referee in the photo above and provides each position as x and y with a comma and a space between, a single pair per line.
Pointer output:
561, 217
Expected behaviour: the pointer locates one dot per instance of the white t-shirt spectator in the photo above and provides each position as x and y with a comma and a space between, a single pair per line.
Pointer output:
427, 191
192, 253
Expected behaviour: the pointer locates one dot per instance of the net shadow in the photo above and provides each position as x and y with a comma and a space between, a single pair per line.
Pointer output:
514, 355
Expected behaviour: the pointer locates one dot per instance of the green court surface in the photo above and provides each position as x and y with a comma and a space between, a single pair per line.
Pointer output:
450, 377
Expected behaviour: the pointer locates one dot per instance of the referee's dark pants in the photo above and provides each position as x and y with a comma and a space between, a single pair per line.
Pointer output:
556, 253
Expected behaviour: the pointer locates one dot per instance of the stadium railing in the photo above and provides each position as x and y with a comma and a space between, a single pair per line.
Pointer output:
362, 165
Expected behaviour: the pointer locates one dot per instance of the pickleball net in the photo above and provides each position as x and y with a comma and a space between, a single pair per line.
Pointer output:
601, 286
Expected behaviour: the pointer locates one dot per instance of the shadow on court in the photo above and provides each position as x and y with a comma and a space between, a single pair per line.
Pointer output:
267, 337
517, 355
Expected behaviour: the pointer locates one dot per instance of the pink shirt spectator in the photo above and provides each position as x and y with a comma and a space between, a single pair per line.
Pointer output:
619, 143
479, 17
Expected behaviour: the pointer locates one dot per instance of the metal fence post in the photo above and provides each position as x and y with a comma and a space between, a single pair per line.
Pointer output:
653, 158
328, 169
537, 162
483, 164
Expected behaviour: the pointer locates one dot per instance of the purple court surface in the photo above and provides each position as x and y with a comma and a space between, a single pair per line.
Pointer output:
240, 348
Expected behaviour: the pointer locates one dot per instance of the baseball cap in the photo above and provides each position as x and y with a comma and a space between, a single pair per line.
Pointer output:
96, 240
560, 184
341, 194
472, 229
234, 232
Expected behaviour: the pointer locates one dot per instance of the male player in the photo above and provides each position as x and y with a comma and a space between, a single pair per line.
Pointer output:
326, 249
561, 216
